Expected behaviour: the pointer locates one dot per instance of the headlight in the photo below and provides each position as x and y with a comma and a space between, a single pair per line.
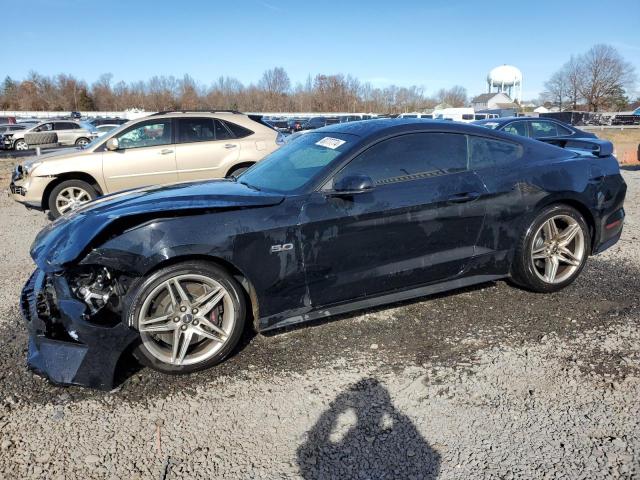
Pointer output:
27, 168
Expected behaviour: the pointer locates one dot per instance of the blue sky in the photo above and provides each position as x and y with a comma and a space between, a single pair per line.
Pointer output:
433, 44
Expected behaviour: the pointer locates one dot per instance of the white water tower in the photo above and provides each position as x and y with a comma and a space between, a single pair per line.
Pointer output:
506, 79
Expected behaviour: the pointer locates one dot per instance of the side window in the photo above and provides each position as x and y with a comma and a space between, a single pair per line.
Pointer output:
195, 130
411, 156
240, 132
563, 130
65, 126
488, 153
221, 131
146, 134
45, 127
542, 129
516, 128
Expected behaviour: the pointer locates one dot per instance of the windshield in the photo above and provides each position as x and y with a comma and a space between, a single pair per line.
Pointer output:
297, 163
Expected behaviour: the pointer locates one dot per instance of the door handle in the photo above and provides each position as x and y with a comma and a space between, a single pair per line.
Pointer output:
230, 145
464, 197
166, 151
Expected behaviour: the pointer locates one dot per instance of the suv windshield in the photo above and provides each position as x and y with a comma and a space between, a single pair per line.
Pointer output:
296, 164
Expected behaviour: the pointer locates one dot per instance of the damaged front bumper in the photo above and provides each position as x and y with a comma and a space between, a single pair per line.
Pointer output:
65, 345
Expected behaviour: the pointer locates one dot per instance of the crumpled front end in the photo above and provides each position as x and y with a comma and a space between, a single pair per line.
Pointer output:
67, 344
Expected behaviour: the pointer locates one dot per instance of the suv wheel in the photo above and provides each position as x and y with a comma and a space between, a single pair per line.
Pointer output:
553, 250
82, 142
69, 195
235, 172
190, 317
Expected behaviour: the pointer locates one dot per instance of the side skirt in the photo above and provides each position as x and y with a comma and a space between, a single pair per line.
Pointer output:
279, 321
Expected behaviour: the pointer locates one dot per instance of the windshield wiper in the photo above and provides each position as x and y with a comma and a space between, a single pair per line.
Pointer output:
252, 187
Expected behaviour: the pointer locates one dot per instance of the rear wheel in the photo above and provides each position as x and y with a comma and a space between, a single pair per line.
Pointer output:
553, 250
69, 195
190, 317
82, 142
238, 170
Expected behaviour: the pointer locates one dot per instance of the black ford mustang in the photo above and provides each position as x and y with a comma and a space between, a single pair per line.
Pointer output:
347, 217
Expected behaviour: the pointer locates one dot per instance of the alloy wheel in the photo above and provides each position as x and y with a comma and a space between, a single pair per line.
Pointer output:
71, 198
21, 145
558, 249
186, 320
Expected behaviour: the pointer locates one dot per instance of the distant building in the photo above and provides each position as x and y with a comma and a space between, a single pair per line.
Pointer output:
493, 101
541, 109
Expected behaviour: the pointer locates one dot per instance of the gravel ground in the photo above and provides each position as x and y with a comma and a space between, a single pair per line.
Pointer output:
487, 382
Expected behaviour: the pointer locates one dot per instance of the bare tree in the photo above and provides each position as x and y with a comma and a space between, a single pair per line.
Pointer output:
455, 96
556, 89
605, 73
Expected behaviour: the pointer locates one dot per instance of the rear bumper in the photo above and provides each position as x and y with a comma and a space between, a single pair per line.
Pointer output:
610, 231
64, 346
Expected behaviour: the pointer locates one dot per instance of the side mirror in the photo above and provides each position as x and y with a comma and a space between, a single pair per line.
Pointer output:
352, 185
112, 144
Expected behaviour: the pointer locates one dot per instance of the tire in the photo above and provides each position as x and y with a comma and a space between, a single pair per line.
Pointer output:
79, 192
20, 145
82, 141
150, 300
238, 170
547, 259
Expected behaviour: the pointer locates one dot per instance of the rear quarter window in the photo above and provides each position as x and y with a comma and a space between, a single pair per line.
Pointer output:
237, 130
491, 153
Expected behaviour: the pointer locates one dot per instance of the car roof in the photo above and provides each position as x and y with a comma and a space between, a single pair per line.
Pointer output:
366, 128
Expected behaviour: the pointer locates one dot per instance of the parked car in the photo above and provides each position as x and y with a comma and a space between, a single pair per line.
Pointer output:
10, 127
105, 128
533, 127
295, 124
280, 125
416, 115
107, 121
319, 122
69, 133
347, 217
166, 147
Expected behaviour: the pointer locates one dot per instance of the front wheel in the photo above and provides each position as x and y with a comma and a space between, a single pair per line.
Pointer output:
69, 195
20, 145
553, 250
190, 317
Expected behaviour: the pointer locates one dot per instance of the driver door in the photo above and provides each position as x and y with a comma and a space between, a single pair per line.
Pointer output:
418, 225
145, 156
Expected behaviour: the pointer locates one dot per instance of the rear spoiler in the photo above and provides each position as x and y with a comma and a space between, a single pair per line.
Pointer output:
258, 118
594, 146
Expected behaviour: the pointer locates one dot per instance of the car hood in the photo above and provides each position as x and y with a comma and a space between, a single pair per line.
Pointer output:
72, 235
61, 154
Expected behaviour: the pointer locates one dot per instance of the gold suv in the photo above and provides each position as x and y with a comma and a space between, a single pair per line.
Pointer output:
166, 147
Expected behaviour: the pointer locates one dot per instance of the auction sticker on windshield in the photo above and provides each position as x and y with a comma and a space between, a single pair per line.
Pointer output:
331, 143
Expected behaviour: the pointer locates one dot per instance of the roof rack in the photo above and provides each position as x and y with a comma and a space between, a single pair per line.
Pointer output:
195, 111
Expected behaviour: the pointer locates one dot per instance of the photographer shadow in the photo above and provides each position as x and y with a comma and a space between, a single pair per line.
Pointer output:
363, 436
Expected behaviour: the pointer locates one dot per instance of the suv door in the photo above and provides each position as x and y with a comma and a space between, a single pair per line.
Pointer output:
67, 132
145, 156
417, 226
205, 149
